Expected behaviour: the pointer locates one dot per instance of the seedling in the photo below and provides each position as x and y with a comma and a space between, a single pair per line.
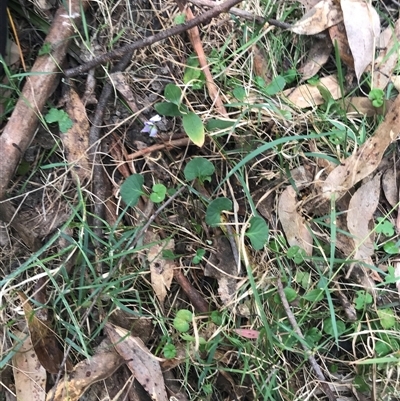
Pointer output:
199, 255
158, 194
60, 117
169, 351
193, 75
182, 319
199, 168
192, 123
377, 97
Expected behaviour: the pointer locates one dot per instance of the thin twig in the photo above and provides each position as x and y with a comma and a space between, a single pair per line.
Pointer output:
234, 11
173, 143
307, 350
194, 35
117, 53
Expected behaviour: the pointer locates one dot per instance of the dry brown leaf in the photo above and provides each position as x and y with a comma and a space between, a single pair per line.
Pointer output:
360, 217
308, 4
366, 159
362, 106
338, 34
396, 82
317, 57
161, 270
119, 81
29, 375
388, 57
141, 362
76, 139
220, 266
363, 28
309, 96
45, 342
323, 15
390, 187
293, 224
100, 366
260, 65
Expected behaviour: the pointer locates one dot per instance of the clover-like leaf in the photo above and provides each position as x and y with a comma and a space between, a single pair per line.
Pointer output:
200, 168
158, 194
214, 210
258, 232
131, 189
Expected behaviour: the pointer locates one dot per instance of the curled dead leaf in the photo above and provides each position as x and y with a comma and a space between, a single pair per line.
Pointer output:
141, 362
29, 374
293, 224
323, 15
44, 340
100, 366
366, 159
362, 28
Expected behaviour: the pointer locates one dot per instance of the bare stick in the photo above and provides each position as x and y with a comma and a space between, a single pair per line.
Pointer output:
194, 35
21, 127
234, 11
117, 53
307, 350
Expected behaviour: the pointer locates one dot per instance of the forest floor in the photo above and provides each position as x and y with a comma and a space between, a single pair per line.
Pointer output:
209, 214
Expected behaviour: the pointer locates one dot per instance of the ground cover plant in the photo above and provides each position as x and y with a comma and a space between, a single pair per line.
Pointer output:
199, 201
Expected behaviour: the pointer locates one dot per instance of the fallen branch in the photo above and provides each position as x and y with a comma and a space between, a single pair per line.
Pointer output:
234, 11
40, 84
117, 53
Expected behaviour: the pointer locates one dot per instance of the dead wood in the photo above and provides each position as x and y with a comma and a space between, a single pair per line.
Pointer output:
117, 53
39, 85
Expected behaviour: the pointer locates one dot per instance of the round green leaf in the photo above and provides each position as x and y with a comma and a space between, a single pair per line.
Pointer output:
258, 232
194, 128
391, 248
169, 351
185, 315
328, 327
167, 109
158, 194
387, 318
181, 325
214, 210
131, 189
173, 94
200, 168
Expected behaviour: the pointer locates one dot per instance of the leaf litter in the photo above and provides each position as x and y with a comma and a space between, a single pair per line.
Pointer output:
353, 186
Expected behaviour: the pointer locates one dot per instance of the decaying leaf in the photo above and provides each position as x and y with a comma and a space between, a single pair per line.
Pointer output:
323, 15
141, 362
366, 159
390, 186
317, 57
338, 37
388, 57
260, 65
120, 83
360, 217
363, 28
161, 269
362, 106
293, 223
44, 340
76, 139
220, 267
100, 366
29, 374
309, 95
